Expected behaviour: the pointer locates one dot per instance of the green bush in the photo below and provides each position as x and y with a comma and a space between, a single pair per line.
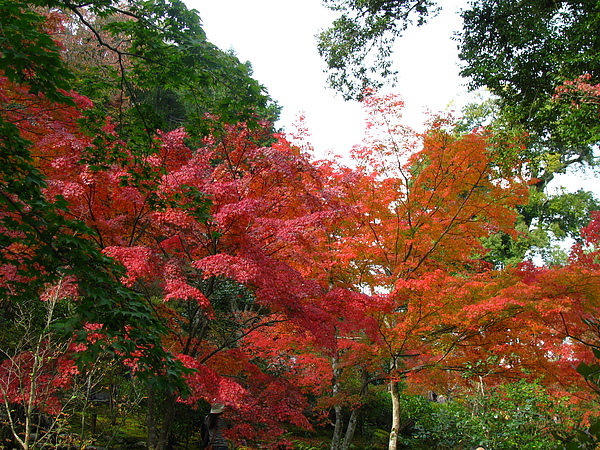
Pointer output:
519, 415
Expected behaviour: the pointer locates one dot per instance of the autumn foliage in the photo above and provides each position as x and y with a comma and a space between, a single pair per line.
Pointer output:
281, 280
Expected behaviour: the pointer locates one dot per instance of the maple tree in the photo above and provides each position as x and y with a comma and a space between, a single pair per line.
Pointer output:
215, 274
43, 248
421, 205
31, 119
520, 53
556, 305
339, 373
130, 222
309, 357
415, 211
32, 375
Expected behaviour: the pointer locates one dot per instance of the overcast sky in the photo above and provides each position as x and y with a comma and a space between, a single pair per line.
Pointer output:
278, 38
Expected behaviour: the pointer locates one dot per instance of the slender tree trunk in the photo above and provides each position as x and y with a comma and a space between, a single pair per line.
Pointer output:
339, 418
337, 430
36, 371
350, 430
395, 394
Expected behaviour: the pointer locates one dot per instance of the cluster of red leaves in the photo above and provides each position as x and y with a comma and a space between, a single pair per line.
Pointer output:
45, 124
579, 91
36, 379
256, 398
267, 206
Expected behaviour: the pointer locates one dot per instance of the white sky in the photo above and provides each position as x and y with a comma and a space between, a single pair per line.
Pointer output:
278, 38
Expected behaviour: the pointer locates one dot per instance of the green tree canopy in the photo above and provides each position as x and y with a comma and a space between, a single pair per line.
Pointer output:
152, 60
358, 46
521, 52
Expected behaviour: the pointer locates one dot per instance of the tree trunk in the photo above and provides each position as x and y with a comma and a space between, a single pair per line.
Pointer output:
395, 394
339, 418
151, 419
337, 430
167, 422
350, 430
158, 439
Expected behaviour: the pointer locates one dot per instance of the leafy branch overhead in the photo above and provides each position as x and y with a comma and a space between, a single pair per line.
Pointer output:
358, 46
159, 50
